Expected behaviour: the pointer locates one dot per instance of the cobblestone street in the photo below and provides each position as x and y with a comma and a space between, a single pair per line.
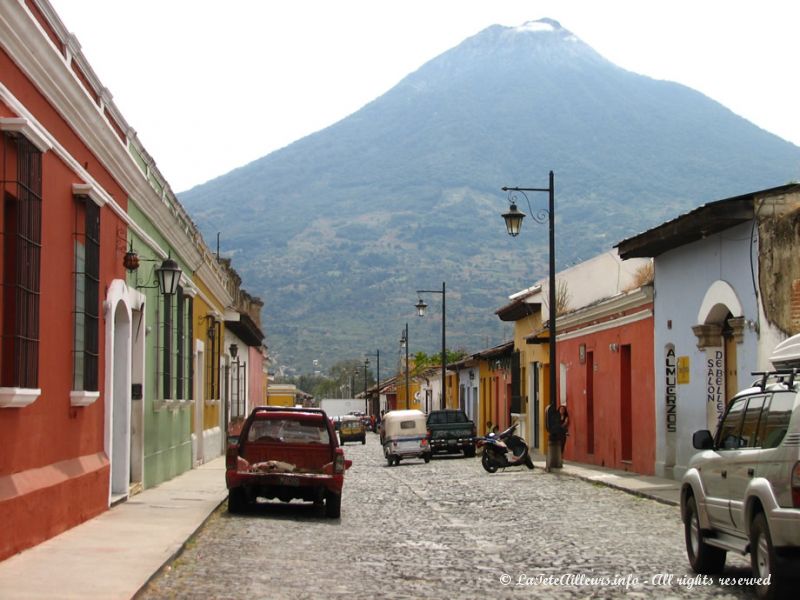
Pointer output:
447, 529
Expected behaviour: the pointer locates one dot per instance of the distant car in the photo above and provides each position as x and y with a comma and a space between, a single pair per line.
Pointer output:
286, 454
741, 493
351, 429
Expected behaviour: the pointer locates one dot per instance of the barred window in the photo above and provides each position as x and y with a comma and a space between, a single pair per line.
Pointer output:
183, 357
166, 389
212, 361
21, 262
86, 318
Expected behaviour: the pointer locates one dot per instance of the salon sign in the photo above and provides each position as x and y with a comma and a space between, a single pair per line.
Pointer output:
715, 386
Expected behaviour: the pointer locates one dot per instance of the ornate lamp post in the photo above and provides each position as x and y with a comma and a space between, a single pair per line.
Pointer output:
366, 401
421, 309
378, 376
404, 344
513, 219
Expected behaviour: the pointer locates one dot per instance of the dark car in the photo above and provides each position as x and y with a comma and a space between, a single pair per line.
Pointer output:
451, 430
286, 454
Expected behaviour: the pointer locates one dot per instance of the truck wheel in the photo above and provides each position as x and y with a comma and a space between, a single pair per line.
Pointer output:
236, 501
705, 559
363, 441
469, 452
390, 460
333, 505
426, 458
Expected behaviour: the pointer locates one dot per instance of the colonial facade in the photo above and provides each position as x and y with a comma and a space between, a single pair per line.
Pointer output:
726, 285
605, 358
580, 286
67, 347
113, 307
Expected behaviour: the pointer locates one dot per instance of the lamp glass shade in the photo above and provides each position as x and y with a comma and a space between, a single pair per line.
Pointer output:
513, 219
169, 277
421, 307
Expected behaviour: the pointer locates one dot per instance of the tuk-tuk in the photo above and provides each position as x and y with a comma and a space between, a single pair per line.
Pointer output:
404, 434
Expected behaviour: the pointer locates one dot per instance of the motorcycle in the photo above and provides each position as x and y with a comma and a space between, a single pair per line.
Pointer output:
504, 449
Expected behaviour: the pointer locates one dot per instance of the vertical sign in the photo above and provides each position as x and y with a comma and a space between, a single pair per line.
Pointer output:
671, 397
670, 405
715, 386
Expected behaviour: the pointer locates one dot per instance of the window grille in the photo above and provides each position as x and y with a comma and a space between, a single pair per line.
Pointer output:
86, 317
21, 263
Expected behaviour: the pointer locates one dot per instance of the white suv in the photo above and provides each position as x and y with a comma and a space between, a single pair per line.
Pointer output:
742, 491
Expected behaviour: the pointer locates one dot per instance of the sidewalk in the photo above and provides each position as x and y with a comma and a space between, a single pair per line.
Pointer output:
656, 488
115, 554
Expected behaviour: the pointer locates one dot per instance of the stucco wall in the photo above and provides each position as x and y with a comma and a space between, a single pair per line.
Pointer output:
683, 277
606, 348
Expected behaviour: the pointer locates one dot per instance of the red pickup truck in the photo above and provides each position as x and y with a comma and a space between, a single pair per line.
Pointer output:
286, 453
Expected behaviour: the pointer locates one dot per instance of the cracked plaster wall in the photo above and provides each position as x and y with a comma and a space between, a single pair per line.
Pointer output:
779, 260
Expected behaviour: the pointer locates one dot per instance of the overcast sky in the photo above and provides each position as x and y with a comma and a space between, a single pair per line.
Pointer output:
210, 85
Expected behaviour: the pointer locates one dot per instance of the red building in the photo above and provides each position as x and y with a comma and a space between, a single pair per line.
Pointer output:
605, 353
63, 238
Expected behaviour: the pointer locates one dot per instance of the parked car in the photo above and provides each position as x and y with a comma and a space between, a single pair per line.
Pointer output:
451, 430
741, 492
404, 435
351, 429
286, 453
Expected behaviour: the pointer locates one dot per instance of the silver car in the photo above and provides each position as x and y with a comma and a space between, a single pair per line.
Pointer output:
741, 493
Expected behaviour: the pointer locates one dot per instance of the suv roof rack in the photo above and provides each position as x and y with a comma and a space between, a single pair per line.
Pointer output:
787, 376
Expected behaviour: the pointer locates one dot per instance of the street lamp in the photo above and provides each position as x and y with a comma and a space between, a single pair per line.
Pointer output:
404, 344
421, 309
366, 402
378, 376
513, 219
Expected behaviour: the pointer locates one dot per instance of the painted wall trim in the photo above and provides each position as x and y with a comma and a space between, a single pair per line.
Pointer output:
24, 127
626, 320
11, 397
83, 398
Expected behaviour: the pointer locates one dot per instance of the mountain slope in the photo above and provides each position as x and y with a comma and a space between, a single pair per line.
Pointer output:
337, 230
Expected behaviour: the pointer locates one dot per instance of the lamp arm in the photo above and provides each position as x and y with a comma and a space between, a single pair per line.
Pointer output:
541, 216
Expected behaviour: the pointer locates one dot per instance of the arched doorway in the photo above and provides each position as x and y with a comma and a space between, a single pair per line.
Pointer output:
120, 456
719, 330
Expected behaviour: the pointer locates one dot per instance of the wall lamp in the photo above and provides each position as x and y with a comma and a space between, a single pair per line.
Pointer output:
168, 275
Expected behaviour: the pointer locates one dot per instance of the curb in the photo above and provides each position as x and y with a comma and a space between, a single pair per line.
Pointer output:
175, 555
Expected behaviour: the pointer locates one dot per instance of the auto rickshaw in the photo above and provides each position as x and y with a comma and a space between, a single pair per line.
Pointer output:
404, 434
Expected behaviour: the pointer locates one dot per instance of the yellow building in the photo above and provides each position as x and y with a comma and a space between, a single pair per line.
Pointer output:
208, 329
281, 394
530, 365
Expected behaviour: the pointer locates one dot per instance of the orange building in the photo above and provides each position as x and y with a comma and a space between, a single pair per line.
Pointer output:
606, 380
65, 305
